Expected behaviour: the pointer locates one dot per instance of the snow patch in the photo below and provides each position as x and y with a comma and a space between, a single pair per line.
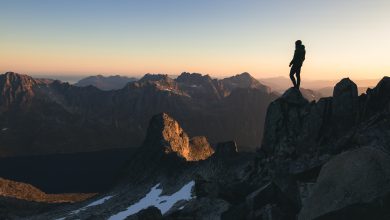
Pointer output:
99, 201
154, 198
94, 203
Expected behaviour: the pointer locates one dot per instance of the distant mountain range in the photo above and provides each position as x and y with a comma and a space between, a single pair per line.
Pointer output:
105, 83
112, 112
39, 116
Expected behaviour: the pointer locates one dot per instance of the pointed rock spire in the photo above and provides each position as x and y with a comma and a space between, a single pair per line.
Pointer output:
166, 134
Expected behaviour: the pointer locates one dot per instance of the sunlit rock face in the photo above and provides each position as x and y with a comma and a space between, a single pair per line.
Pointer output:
200, 149
15, 89
166, 132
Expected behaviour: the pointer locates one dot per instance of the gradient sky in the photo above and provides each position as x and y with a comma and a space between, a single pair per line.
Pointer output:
217, 37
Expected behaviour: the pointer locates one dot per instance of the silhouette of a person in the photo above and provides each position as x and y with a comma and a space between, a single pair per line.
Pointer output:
296, 63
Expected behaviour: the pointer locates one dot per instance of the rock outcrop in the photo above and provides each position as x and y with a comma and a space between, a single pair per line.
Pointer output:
295, 126
335, 151
285, 123
166, 134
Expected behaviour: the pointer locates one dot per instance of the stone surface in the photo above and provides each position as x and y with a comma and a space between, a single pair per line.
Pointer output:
356, 178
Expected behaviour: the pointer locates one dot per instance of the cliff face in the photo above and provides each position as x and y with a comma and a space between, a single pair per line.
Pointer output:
15, 90
294, 126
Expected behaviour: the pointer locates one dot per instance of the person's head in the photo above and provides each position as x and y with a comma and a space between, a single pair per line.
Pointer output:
298, 43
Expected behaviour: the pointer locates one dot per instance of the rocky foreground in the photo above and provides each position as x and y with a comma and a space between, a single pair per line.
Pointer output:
319, 160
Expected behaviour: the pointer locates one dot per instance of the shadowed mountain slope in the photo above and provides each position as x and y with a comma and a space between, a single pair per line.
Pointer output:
42, 117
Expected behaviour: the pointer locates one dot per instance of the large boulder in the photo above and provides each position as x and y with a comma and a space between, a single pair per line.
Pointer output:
353, 185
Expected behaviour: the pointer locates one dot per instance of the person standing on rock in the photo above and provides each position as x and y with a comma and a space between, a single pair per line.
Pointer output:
296, 63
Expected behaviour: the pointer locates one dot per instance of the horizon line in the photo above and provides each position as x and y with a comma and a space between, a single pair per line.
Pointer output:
140, 75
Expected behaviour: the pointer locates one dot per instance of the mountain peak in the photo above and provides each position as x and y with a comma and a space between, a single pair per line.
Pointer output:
245, 74
244, 80
155, 78
12, 76
16, 88
195, 78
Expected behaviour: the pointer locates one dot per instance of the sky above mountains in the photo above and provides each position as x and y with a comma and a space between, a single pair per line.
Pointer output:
219, 37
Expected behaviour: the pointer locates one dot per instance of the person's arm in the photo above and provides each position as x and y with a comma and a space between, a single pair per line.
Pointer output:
294, 58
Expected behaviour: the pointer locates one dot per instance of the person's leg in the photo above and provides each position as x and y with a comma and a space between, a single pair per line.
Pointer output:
298, 74
292, 72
